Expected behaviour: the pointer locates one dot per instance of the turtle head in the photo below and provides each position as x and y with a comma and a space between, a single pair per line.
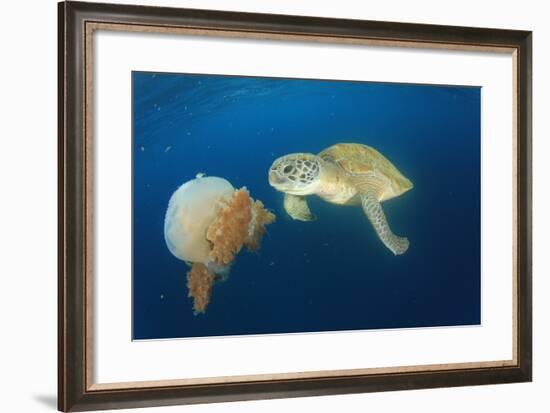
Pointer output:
295, 174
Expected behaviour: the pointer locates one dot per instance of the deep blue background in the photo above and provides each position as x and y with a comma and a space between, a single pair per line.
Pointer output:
333, 273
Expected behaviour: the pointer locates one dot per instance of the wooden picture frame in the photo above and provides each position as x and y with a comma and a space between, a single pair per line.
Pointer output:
77, 21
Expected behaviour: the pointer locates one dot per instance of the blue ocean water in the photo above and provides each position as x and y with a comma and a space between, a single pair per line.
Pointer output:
327, 275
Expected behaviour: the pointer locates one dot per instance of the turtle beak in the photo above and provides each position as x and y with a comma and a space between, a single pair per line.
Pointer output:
275, 179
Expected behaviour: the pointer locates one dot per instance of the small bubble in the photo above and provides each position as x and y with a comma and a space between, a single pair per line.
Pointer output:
162, 296
142, 148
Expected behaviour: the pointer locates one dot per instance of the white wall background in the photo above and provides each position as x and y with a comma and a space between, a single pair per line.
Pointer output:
28, 203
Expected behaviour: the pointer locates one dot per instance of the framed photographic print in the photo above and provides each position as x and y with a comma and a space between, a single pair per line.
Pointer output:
259, 206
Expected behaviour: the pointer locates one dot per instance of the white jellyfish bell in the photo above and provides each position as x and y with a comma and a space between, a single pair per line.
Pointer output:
191, 210
206, 225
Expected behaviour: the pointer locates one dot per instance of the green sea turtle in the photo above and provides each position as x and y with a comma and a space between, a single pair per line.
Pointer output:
343, 174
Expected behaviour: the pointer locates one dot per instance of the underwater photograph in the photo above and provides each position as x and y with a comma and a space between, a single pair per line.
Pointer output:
278, 205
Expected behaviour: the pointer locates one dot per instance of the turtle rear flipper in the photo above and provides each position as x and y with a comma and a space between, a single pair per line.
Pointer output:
297, 208
375, 214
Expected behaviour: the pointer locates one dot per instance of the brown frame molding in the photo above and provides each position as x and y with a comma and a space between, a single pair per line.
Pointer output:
76, 391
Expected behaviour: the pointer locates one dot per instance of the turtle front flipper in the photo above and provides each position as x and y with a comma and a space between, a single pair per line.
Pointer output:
375, 214
297, 208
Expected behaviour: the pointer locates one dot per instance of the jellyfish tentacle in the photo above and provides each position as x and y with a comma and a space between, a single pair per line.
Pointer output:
200, 282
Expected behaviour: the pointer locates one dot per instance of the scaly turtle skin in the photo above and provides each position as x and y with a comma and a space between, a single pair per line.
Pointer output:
343, 174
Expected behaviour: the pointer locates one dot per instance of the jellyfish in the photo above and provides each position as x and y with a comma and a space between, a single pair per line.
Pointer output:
207, 224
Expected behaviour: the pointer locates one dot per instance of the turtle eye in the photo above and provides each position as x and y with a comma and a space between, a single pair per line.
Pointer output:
287, 169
